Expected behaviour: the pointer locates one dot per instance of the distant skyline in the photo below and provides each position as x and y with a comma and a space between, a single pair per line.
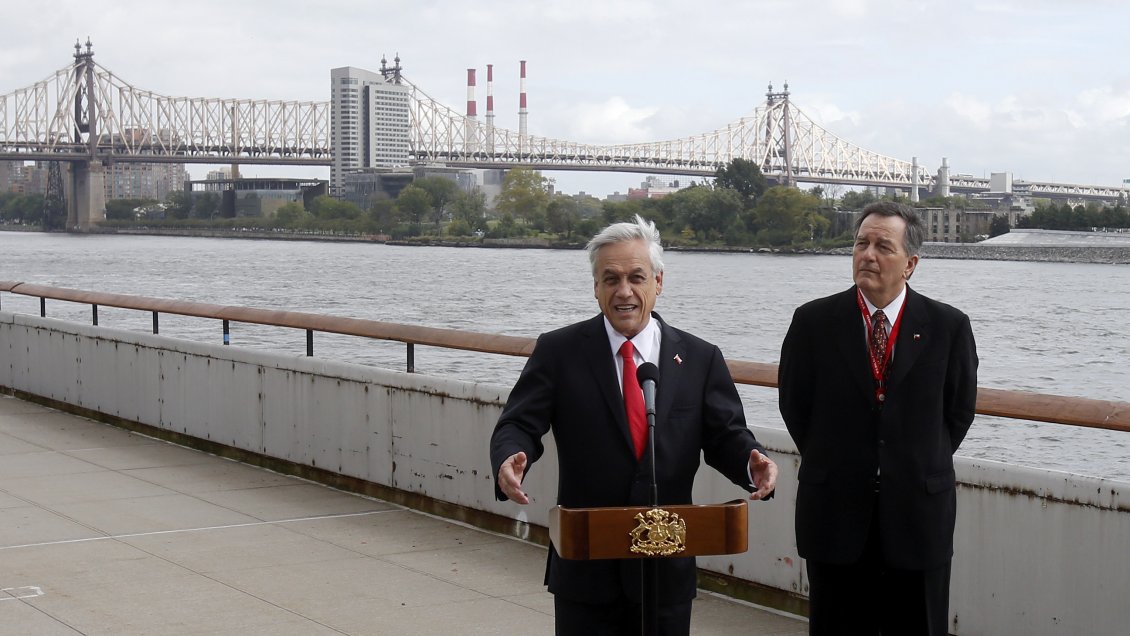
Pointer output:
1038, 88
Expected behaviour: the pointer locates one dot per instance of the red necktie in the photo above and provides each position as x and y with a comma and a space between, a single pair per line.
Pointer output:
633, 399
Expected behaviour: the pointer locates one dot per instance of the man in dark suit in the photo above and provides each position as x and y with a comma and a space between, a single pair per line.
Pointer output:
877, 388
574, 385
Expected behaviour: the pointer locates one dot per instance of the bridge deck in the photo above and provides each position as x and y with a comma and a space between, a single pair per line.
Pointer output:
107, 532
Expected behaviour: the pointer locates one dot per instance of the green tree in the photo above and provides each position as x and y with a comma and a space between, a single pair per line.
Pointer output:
524, 195
442, 191
708, 213
290, 214
414, 203
856, 200
383, 216
470, 208
126, 209
786, 215
205, 205
22, 208
562, 215
999, 225
617, 211
327, 208
745, 177
179, 203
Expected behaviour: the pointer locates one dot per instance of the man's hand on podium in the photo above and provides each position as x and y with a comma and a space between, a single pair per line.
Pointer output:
764, 473
512, 471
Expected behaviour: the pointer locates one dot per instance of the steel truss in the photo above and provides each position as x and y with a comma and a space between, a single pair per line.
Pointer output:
84, 110
442, 135
51, 116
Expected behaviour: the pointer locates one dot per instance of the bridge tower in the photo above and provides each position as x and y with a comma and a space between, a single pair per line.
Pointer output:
85, 186
778, 134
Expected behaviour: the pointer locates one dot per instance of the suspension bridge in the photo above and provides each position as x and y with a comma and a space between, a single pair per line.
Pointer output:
84, 117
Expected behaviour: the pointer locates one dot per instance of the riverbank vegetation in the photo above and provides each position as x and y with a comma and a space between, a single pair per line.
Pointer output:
737, 209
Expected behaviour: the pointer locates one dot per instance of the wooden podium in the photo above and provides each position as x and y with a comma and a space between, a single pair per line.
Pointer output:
644, 532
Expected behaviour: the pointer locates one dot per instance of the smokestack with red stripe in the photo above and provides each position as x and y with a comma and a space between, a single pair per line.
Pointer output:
471, 127
490, 107
522, 108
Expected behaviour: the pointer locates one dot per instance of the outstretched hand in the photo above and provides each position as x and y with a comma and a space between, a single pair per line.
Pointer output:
510, 476
764, 473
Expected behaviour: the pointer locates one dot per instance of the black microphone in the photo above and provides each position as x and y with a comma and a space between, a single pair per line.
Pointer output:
648, 376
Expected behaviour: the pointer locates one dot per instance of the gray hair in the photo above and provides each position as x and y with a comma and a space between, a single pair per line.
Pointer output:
629, 231
915, 228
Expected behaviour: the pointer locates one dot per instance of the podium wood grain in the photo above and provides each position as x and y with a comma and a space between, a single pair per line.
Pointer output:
605, 533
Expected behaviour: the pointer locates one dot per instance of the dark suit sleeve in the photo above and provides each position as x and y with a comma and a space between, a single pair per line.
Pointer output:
526, 416
794, 381
960, 392
726, 440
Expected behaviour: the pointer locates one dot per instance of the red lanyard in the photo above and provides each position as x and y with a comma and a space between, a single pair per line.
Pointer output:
880, 377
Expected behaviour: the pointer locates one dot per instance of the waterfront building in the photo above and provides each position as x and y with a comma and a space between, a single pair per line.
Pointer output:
657, 187
143, 180
370, 121
944, 225
129, 180
257, 197
362, 187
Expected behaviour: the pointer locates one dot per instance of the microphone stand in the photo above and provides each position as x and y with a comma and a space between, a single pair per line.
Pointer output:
648, 375
650, 572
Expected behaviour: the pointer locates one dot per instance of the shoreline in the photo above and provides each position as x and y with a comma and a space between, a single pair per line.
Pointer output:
1097, 254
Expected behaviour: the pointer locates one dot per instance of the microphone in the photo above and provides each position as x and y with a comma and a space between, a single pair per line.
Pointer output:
648, 375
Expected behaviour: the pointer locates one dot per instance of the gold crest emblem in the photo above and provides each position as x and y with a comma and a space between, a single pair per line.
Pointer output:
659, 533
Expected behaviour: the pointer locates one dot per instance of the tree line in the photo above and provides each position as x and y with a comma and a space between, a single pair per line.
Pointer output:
1089, 217
738, 208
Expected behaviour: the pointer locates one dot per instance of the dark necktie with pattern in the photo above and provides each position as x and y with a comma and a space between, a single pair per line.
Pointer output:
879, 341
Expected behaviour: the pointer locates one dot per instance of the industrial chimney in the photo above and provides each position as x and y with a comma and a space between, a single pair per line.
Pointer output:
490, 108
470, 130
522, 111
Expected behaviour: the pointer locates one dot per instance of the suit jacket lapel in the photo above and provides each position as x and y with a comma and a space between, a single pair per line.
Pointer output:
670, 346
912, 337
852, 338
598, 354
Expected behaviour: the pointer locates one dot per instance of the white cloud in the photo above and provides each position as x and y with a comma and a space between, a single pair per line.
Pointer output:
971, 109
610, 121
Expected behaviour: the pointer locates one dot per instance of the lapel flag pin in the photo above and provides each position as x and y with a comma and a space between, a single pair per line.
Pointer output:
678, 360
917, 336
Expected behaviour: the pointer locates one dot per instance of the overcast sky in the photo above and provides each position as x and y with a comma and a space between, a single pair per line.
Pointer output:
1037, 88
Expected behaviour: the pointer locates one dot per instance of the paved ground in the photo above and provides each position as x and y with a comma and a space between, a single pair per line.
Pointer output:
107, 532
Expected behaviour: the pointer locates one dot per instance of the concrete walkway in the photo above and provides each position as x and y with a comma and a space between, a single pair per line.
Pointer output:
103, 531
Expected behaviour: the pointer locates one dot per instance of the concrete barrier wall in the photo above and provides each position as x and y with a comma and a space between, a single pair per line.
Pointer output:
1038, 552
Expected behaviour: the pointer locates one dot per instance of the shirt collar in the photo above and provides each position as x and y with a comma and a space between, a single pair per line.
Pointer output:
646, 342
891, 311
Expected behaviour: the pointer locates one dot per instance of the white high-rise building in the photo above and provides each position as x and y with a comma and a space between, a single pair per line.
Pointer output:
370, 121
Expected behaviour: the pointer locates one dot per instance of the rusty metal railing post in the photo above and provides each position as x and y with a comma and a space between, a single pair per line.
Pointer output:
411, 357
94, 314
154, 322
42, 307
309, 343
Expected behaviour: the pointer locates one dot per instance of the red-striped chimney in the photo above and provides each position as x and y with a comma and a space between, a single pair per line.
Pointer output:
471, 106
522, 106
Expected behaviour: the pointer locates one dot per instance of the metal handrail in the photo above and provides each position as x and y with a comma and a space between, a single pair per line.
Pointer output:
1021, 405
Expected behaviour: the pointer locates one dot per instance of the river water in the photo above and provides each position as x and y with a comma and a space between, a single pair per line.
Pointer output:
1055, 328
